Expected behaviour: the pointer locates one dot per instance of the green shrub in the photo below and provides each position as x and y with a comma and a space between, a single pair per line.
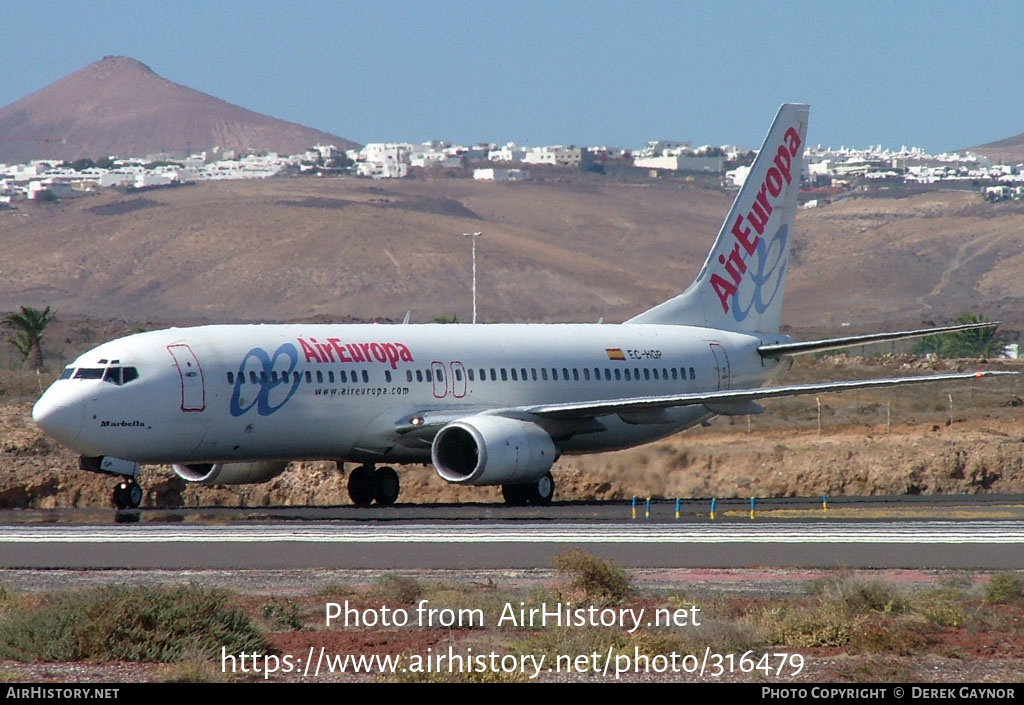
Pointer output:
598, 579
1004, 588
886, 635
129, 623
942, 606
858, 596
282, 613
392, 587
824, 625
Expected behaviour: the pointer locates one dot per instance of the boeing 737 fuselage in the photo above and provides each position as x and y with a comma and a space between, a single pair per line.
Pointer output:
486, 404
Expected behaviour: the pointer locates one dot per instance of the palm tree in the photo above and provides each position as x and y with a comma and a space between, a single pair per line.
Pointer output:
28, 327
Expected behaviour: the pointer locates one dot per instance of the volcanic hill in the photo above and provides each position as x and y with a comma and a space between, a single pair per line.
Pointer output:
119, 106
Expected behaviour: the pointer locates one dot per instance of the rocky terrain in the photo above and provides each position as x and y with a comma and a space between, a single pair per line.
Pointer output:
288, 249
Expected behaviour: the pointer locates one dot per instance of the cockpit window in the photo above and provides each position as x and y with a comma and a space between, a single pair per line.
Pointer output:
120, 375
115, 375
66, 374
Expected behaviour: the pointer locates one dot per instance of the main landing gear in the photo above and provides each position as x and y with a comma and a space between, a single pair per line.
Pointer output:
537, 493
367, 485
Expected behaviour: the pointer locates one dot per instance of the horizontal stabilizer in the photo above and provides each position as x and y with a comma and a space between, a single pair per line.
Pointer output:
813, 346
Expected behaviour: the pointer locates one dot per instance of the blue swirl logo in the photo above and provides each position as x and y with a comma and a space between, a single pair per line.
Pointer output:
766, 275
274, 389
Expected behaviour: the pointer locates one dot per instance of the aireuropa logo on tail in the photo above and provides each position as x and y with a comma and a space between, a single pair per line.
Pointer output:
749, 231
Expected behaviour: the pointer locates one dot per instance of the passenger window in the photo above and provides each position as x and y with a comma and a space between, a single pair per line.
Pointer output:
618, 374
273, 375
494, 375
627, 374
263, 376
575, 375
655, 373
533, 373
515, 375
309, 377
366, 377
343, 376
419, 375
647, 374
231, 377
607, 375
430, 376
565, 373
523, 370
554, 374
544, 373
252, 377
693, 374
636, 373
458, 374
674, 373
586, 374
387, 375
295, 377
483, 375
504, 375
469, 372
330, 376
440, 375
319, 377
408, 375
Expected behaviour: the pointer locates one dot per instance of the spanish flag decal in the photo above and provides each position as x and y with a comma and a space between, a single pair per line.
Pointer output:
615, 354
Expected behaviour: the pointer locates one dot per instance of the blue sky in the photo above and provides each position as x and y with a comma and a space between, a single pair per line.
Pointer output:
940, 75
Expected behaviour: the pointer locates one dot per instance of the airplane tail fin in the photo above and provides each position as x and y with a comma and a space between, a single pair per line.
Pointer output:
741, 285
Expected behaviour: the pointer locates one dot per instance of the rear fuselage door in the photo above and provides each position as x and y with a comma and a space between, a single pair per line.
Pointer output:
722, 365
193, 387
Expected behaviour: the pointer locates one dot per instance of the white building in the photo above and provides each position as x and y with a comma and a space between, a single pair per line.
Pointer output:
380, 160
511, 152
493, 174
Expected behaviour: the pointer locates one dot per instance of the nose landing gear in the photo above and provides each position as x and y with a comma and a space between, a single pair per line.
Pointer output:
127, 494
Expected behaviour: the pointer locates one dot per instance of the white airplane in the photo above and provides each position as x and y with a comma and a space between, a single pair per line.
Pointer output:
486, 404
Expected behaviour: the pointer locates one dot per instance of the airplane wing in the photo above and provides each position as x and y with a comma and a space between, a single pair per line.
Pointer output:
813, 346
730, 400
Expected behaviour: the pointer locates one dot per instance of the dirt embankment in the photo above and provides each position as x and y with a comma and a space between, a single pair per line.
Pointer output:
961, 438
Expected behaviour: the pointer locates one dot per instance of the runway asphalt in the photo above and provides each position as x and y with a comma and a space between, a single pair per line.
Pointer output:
965, 533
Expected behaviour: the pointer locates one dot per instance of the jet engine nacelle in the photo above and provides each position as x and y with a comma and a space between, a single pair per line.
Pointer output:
492, 450
231, 473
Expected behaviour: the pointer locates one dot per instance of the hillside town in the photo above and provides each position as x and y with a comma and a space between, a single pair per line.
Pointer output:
826, 170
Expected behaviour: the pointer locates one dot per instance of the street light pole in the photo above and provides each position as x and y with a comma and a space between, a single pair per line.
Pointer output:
473, 236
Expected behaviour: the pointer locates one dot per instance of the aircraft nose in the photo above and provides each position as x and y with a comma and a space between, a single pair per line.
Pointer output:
59, 416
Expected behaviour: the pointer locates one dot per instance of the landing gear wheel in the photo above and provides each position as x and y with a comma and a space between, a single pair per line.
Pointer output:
541, 492
515, 495
388, 486
127, 494
362, 486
